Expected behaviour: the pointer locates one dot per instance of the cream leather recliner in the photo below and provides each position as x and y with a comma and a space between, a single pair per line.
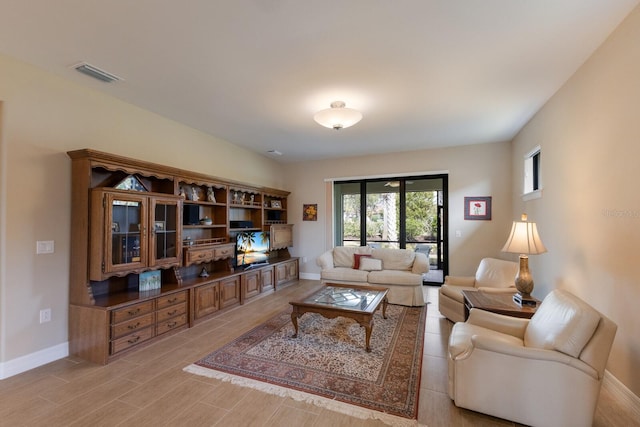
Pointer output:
544, 371
493, 275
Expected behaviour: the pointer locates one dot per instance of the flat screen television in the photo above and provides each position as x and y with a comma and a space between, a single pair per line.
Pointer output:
252, 247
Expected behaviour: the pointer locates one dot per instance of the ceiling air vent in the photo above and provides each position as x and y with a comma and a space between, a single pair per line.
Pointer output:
96, 73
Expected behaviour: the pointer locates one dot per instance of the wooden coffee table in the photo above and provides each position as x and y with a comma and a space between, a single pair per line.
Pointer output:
355, 302
501, 303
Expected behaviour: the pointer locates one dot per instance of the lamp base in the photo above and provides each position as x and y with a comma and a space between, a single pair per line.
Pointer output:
524, 299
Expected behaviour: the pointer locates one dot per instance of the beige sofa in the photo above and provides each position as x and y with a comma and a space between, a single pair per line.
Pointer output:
492, 275
400, 270
546, 371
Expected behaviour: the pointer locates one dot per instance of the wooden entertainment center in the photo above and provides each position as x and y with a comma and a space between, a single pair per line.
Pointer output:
153, 250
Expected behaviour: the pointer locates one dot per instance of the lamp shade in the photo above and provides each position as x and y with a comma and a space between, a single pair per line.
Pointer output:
524, 238
338, 116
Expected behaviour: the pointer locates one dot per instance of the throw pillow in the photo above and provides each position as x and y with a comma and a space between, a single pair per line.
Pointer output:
343, 256
356, 260
370, 264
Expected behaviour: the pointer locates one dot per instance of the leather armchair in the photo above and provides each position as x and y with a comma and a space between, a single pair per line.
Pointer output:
492, 275
544, 371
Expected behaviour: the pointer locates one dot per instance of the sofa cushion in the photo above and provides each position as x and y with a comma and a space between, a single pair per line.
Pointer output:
344, 274
343, 255
356, 260
563, 322
370, 264
395, 277
395, 259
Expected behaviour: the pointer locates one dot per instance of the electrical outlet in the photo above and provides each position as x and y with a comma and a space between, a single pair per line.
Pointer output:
304, 259
45, 315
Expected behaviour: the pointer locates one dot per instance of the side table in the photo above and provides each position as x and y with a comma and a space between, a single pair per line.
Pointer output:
501, 303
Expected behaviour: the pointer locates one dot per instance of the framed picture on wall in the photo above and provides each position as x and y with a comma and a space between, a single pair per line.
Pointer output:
310, 212
477, 208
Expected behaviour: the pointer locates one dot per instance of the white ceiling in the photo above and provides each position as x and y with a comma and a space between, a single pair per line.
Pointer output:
424, 73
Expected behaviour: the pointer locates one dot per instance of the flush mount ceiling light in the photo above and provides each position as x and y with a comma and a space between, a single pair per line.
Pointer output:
338, 116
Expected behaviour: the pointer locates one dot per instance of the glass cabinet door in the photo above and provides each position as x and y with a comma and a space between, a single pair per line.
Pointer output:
166, 247
126, 247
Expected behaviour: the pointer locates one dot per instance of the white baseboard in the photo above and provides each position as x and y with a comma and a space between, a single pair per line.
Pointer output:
33, 360
622, 394
310, 276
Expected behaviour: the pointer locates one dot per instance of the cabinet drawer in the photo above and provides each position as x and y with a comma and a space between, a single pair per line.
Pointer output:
131, 340
132, 311
169, 300
131, 326
198, 255
171, 311
223, 252
169, 324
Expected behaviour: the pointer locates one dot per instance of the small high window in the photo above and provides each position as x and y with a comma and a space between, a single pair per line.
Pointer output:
532, 181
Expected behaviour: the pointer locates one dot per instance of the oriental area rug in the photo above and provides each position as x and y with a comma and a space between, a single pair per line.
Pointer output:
327, 364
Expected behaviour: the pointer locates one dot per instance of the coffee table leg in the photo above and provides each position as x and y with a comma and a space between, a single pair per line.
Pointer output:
368, 329
384, 308
294, 320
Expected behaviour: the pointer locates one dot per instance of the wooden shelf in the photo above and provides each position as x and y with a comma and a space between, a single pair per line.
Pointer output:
203, 203
120, 231
194, 227
246, 206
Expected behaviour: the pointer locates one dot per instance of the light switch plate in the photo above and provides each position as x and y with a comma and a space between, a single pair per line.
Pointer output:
45, 247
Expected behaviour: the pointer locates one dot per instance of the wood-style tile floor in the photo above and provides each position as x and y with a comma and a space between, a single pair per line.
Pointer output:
149, 388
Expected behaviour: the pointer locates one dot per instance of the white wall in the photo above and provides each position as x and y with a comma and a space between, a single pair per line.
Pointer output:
589, 215
474, 170
43, 117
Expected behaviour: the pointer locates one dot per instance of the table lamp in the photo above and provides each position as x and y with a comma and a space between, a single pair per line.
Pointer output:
524, 240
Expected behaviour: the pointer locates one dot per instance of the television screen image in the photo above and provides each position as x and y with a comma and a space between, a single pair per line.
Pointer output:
252, 247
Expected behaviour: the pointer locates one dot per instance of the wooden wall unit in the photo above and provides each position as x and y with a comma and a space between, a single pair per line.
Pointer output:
130, 217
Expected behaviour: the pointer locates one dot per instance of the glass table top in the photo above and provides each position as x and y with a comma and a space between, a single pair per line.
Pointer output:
332, 296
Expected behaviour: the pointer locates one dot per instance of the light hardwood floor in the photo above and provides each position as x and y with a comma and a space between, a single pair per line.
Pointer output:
149, 388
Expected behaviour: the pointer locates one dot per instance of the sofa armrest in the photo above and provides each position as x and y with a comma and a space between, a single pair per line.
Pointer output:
495, 345
420, 264
513, 326
469, 281
325, 260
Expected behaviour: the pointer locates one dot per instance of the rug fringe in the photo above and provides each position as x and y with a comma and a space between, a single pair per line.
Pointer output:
323, 402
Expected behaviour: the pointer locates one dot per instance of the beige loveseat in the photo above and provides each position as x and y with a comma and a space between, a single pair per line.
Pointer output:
400, 270
546, 371
492, 275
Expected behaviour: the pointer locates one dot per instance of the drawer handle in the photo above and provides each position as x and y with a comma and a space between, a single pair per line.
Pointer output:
172, 300
133, 312
202, 255
172, 324
134, 340
134, 326
171, 313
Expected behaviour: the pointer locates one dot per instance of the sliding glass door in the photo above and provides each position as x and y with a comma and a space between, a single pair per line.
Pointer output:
404, 212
